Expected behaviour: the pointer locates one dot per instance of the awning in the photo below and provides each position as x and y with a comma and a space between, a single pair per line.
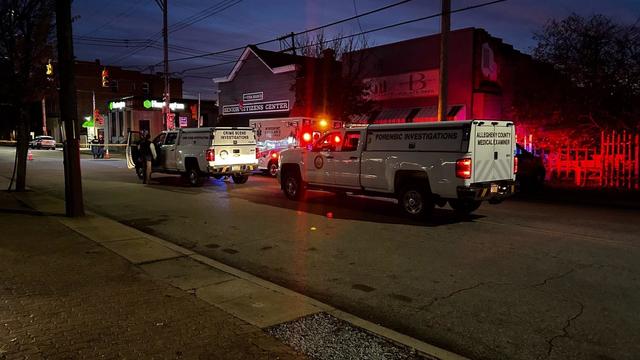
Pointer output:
392, 116
430, 113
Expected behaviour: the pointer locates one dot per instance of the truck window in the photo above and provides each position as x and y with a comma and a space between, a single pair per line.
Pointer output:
159, 140
350, 142
327, 142
171, 138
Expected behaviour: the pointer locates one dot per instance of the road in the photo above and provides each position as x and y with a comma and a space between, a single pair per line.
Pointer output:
519, 280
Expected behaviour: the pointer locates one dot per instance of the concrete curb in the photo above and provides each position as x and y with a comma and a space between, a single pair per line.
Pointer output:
143, 249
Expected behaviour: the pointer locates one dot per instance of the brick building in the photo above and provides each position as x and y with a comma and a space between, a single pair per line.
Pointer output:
403, 80
403, 77
122, 83
262, 85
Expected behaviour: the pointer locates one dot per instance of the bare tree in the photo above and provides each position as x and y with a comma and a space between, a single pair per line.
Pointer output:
25, 47
601, 60
325, 84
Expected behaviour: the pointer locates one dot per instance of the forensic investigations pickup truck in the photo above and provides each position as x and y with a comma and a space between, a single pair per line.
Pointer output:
420, 164
199, 153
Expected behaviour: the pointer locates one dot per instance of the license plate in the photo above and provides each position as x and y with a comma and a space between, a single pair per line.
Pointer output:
494, 188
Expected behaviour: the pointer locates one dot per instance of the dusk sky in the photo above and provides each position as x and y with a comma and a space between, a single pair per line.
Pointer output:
245, 22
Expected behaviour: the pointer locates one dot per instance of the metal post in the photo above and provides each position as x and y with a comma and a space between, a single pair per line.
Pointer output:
44, 117
445, 24
165, 34
199, 110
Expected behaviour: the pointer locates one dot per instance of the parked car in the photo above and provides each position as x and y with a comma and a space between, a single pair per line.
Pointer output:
43, 142
531, 171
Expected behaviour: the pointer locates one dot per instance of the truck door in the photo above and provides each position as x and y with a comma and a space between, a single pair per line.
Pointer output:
346, 160
133, 138
168, 151
317, 165
493, 151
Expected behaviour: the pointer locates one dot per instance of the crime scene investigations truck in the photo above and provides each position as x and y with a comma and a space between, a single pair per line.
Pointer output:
197, 153
420, 164
276, 134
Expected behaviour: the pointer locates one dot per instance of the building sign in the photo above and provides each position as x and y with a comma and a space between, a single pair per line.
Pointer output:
117, 105
149, 104
183, 121
408, 85
256, 108
254, 96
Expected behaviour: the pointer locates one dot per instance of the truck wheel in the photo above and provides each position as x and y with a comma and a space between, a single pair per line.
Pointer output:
415, 201
292, 186
464, 207
240, 179
193, 177
273, 168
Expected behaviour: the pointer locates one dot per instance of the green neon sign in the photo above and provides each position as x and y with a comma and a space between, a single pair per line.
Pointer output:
111, 105
147, 104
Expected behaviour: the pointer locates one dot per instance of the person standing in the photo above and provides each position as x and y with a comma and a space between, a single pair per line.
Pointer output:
147, 157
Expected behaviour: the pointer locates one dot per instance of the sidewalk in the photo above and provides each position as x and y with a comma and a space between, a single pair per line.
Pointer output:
63, 296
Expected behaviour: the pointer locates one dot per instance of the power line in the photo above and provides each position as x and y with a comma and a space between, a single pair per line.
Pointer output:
357, 34
182, 24
301, 32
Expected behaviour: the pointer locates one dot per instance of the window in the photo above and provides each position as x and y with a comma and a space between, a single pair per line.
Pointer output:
159, 140
114, 85
146, 89
171, 138
351, 140
325, 143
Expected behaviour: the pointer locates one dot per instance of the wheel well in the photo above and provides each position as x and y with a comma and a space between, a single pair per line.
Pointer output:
404, 177
191, 162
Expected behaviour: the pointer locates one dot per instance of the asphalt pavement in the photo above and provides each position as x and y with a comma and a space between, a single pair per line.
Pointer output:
519, 280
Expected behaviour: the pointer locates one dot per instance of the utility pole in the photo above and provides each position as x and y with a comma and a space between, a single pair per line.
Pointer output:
165, 34
199, 124
445, 25
69, 111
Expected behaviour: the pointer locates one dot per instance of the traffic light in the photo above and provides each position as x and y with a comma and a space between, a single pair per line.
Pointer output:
49, 71
105, 77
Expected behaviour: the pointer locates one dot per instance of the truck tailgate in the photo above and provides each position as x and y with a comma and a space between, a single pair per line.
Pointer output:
493, 144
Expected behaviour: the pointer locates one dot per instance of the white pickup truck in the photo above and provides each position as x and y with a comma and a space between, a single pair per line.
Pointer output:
199, 152
420, 164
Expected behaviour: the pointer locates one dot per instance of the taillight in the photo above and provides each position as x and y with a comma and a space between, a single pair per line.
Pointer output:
463, 168
211, 155
274, 155
306, 137
337, 139
515, 164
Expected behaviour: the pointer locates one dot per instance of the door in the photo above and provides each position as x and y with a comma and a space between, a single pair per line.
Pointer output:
346, 160
132, 154
169, 152
493, 151
317, 160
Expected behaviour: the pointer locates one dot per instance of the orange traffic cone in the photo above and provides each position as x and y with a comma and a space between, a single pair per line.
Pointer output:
106, 154
30, 156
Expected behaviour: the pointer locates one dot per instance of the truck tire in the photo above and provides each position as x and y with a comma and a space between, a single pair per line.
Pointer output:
464, 207
273, 168
292, 185
415, 201
193, 176
240, 179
